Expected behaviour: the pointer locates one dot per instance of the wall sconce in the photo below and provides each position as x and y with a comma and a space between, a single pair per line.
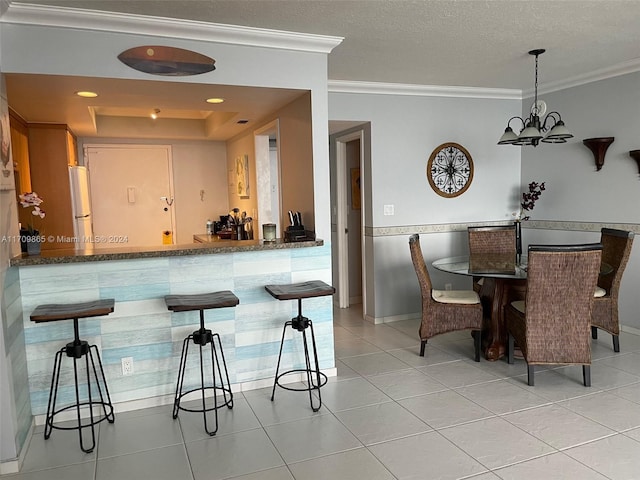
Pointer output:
598, 147
635, 154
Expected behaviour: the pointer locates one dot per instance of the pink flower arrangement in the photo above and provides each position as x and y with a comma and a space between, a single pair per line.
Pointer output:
31, 199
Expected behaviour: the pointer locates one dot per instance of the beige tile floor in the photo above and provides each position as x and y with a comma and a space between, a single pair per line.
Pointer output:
389, 414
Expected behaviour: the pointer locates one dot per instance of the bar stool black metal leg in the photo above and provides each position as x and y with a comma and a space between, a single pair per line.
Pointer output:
183, 359
300, 291
202, 393
275, 380
97, 392
315, 359
308, 372
109, 415
227, 388
75, 376
90, 405
203, 337
53, 394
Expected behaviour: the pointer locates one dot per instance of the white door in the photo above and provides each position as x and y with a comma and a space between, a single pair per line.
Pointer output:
132, 194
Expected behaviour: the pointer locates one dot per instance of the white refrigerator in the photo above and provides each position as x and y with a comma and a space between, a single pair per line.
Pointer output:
81, 206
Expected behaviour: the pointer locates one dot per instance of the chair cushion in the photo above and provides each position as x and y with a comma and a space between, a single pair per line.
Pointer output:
600, 292
455, 296
518, 305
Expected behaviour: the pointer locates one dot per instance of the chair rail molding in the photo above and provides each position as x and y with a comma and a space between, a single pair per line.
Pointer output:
400, 230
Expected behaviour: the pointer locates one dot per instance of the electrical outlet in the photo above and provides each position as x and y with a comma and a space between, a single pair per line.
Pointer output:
388, 210
447, 286
127, 365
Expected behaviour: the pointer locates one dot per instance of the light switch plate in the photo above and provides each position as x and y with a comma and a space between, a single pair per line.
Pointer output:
389, 210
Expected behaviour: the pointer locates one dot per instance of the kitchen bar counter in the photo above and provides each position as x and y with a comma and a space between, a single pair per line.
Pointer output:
142, 328
206, 245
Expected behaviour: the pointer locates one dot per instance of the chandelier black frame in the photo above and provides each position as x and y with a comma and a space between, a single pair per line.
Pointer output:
532, 127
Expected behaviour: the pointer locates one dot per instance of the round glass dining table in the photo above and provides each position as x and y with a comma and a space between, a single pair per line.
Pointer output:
497, 268
504, 282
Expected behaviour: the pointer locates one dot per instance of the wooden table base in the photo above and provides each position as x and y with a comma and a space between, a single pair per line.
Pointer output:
495, 294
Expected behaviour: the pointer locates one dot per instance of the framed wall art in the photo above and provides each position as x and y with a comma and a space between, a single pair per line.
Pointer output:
242, 176
355, 188
450, 170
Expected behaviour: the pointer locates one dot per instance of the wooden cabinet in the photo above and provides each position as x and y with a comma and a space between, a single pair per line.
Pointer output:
51, 151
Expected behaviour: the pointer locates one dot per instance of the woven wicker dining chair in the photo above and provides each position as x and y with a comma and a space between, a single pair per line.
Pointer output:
552, 325
492, 239
616, 248
444, 310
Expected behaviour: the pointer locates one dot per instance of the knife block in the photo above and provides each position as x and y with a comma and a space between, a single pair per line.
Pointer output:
295, 233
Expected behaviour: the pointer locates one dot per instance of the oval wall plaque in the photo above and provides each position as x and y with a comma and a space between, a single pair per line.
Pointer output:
171, 61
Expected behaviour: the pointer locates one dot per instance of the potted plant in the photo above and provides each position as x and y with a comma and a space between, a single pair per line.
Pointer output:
30, 239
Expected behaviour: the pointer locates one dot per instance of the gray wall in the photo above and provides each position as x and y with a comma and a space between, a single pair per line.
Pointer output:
577, 203
576, 191
404, 131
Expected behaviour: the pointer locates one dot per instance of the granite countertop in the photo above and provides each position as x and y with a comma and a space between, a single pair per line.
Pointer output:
209, 246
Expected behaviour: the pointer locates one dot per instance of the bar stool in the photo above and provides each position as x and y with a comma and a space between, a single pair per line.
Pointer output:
76, 350
203, 337
298, 291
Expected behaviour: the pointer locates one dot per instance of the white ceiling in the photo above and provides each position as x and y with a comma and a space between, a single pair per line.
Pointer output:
123, 107
474, 43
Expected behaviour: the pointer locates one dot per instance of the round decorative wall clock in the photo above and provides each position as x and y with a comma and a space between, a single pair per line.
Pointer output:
450, 170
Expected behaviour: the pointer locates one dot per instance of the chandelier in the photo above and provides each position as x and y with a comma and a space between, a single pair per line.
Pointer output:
533, 128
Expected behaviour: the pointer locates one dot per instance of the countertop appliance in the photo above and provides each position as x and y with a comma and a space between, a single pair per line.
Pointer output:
81, 206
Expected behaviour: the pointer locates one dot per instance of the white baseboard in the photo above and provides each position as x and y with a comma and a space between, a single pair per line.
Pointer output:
392, 318
10, 466
634, 330
14, 465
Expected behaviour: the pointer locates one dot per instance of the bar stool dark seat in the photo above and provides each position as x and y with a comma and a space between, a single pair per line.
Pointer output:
76, 350
298, 291
203, 337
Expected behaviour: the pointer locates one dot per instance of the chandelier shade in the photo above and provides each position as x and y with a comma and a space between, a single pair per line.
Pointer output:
532, 130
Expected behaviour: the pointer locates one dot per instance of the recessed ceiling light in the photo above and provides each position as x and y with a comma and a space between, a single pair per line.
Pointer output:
215, 100
87, 94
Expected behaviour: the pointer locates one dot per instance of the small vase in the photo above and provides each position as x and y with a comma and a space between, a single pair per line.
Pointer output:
23, 240
518, 225
239, 232
33, 243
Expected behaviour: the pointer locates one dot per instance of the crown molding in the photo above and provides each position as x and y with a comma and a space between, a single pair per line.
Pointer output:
344, 86
64, 17
617, 70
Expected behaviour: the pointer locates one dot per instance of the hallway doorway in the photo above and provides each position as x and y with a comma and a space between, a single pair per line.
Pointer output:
349, 271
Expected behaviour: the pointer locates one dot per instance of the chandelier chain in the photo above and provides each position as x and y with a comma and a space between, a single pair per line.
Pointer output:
535, 100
